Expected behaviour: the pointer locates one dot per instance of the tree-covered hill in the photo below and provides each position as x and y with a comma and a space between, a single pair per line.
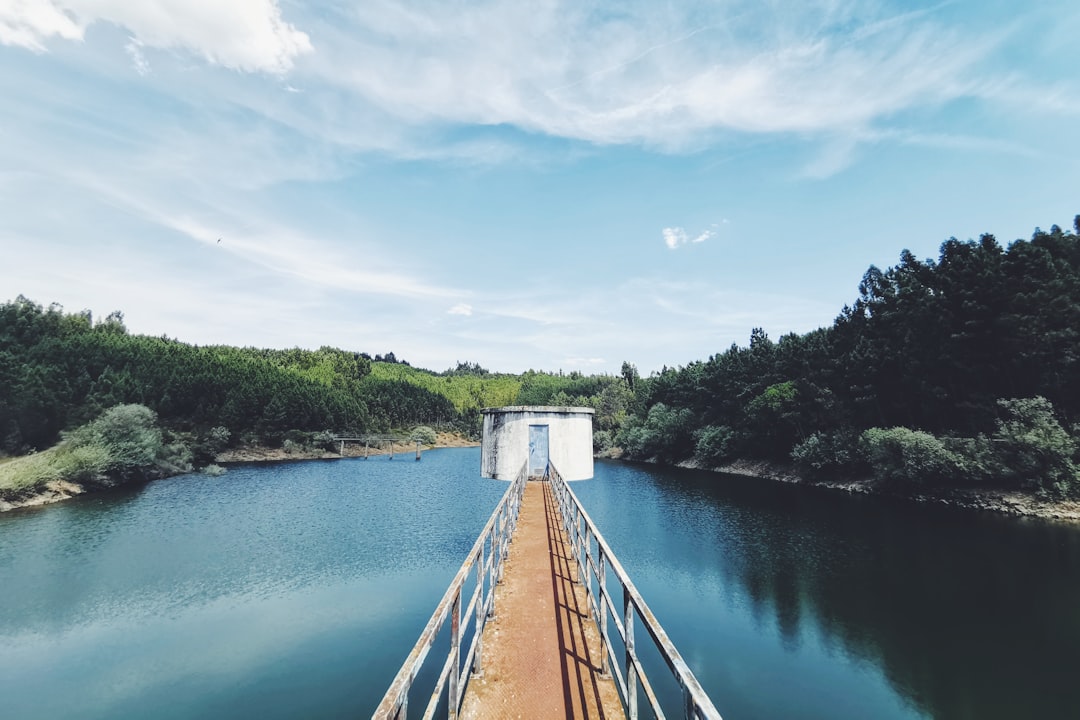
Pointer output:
963, 370
61, 370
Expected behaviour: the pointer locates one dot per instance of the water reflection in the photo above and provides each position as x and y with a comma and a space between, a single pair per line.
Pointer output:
297, 590
283, 591
963, 615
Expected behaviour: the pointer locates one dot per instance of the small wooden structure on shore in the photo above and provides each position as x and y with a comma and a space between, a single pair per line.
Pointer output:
379, 442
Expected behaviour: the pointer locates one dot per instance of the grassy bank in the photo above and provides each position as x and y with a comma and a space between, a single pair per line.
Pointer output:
126, 445
123, 445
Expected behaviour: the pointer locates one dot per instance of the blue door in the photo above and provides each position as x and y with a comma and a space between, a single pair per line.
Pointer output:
538, 450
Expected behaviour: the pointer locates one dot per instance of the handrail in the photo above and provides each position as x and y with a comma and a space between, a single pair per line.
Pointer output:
481, 606
583, 534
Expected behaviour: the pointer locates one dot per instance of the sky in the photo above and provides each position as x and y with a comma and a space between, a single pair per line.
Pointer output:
548, 185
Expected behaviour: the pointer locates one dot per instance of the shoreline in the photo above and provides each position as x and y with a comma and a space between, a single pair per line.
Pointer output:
1009, 503
59, 490
1001, 502
262, 453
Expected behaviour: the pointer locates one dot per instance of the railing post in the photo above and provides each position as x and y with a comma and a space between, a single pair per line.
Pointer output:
574, 531
631, 671
478, 667
507, 536
585, 572
493, 553
455, 653
605, 664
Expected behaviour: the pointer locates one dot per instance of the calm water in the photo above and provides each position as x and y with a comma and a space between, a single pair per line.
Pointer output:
296, 591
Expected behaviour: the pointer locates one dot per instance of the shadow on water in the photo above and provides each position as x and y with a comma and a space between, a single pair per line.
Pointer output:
964, 615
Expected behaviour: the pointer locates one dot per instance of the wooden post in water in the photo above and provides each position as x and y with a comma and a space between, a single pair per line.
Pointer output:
417, 449
391, 449
365, 449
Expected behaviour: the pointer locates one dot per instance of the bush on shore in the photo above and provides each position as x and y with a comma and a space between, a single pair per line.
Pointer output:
124, 444
1028, 450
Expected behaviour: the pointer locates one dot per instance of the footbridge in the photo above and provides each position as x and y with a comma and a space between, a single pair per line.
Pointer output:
541, 620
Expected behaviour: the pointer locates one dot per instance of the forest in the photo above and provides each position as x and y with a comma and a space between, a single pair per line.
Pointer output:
100, 391
955, 372
961, 371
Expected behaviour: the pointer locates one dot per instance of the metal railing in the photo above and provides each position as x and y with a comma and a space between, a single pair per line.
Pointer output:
594, 557
486, 558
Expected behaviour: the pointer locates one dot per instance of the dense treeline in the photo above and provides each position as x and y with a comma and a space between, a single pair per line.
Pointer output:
962, 370
60, 370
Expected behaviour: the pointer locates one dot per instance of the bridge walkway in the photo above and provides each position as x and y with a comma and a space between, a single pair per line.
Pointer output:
542, 649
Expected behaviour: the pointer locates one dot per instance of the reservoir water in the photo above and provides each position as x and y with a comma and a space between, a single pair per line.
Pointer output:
296, 590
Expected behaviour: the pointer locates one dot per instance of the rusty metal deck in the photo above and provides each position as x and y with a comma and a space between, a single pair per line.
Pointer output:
542, 649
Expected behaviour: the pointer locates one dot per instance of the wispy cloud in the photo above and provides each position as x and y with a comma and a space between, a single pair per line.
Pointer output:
584, 362
134, 51
676, 237
460, 309
646, 75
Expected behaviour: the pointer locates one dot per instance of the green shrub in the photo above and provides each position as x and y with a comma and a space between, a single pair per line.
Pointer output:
910, 458
218, 437
129, 435
826, 455
423, 435
1034, 451
602, 440
324, 440
714, 445
84, 464
666, 435
977, 463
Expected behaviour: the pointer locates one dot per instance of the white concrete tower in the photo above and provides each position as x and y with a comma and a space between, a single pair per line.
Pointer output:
539, 435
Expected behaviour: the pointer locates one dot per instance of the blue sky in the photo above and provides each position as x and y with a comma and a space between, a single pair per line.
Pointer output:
549, 185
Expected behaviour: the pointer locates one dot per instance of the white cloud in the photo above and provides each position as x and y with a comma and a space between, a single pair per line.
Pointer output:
248, 35
675, 237
584, 362
134, 50
460, 309
28, 23
649, 74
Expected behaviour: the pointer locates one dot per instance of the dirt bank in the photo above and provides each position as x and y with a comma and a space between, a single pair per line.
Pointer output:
998, 501
261, 453
55, 491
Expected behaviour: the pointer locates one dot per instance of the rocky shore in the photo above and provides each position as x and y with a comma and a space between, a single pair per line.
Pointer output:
1003, 502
